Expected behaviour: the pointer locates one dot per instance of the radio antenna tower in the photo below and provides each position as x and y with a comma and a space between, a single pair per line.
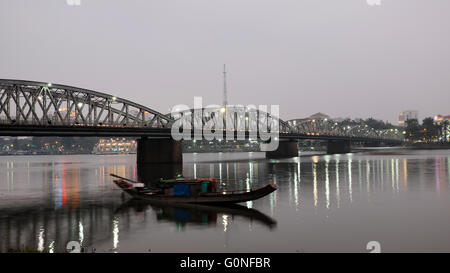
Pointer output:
225, 100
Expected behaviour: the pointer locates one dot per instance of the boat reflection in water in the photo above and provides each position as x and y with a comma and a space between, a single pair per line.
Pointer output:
205, 215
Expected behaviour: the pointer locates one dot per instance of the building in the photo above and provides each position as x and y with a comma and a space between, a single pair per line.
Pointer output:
444, 121
317, 116
406, 115
115, 146
63, 111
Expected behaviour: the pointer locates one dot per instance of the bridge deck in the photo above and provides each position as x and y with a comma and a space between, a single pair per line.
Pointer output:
120, 131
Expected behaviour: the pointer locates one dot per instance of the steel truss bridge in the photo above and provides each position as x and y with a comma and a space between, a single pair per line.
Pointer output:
29, 108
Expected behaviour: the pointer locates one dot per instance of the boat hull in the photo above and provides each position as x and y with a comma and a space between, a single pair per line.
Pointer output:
209, 198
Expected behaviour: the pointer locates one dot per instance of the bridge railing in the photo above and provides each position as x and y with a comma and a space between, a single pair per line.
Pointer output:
324, 127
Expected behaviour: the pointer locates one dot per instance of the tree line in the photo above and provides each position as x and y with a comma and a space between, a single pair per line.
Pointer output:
428, 131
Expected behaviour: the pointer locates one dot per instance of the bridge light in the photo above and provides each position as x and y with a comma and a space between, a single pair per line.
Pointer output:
114, 98
223, 110
80, 104
49, 84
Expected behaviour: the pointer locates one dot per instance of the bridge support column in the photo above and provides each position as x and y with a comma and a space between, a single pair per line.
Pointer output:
285, 149
151, 173
338, 147
167, 151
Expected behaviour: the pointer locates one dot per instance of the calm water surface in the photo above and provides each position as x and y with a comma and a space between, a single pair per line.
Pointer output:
325, 203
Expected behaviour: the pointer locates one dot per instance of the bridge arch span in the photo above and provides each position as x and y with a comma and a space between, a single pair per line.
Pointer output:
232, 118
46, 104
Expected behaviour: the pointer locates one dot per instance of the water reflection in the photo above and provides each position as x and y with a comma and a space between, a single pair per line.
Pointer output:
47, 201
338, 196
115, 234
194, 214
350, 190
49, 230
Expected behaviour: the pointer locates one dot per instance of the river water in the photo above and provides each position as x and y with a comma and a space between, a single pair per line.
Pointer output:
324, 203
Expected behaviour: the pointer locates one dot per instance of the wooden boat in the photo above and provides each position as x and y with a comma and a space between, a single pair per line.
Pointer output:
184, 190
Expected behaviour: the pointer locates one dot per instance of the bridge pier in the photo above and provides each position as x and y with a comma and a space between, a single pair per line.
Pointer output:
151, 173
338, 147
166, 151
285, 149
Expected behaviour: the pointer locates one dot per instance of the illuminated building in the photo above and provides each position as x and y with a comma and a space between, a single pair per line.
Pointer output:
444, 121
115, 146
63, 111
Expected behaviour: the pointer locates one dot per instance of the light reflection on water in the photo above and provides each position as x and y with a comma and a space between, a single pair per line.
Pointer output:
324, 203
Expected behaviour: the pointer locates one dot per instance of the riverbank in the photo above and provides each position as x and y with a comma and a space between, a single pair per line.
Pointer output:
429, 146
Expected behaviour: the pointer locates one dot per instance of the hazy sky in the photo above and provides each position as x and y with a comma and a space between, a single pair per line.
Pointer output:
343, 58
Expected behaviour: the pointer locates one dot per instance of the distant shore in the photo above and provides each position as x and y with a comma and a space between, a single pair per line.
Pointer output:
430, 146
319, 150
